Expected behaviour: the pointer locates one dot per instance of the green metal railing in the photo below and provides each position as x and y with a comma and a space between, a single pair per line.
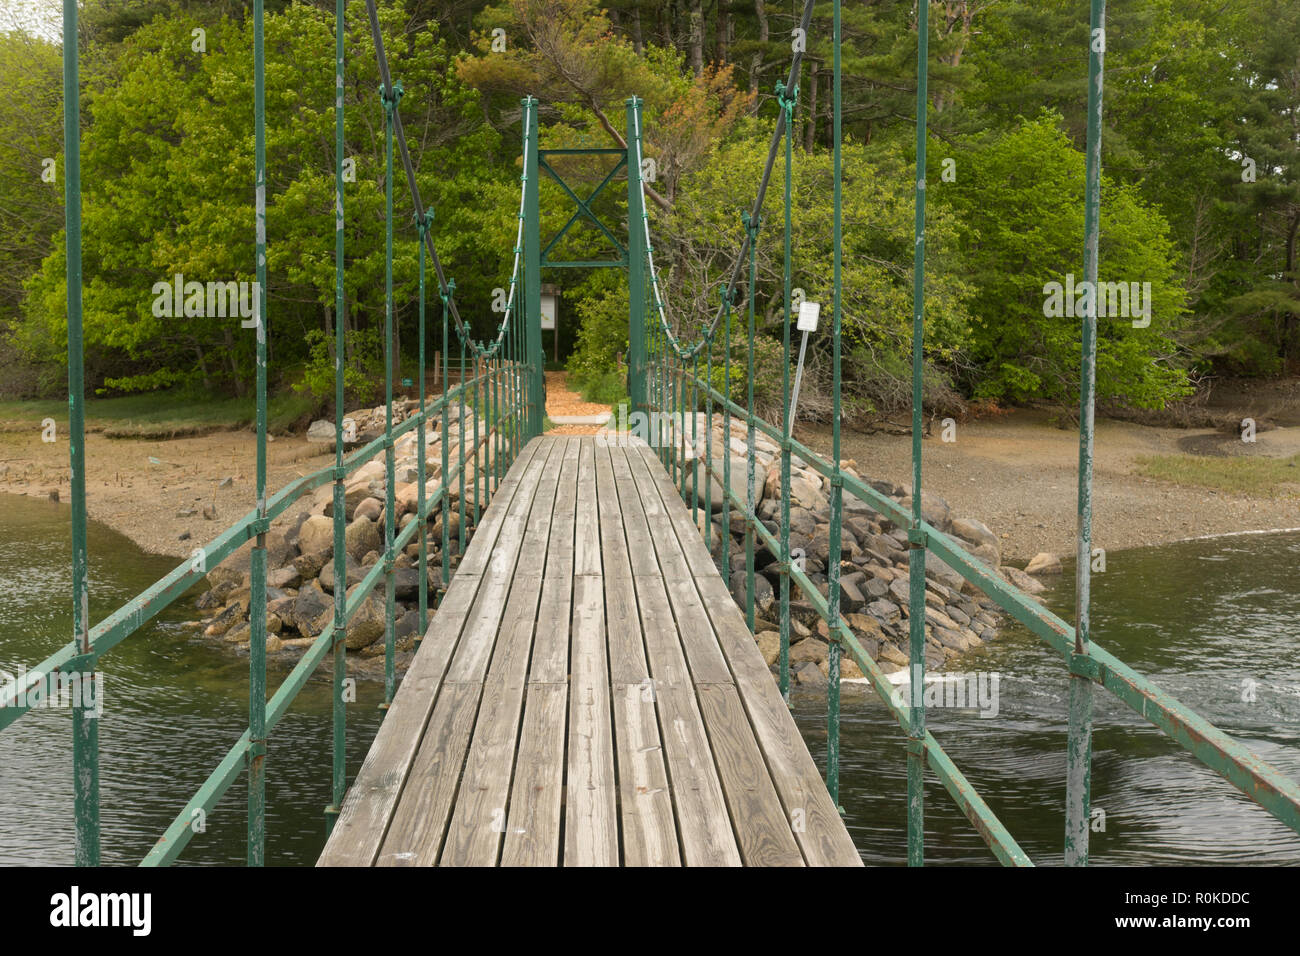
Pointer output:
677, 389
503, 383
504, 388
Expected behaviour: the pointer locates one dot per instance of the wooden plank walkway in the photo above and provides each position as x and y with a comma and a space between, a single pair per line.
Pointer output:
588, 695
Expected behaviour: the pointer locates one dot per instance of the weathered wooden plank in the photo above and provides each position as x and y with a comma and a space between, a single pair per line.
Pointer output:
472, 656
479, 820
762, 829
551, 643
648, 508
368, 809
646, 806
666, 659
815, 820
532, 836
590, 817
480, 546
702, 819
650, 472
420, 820
586, 539
627, 663
708, 665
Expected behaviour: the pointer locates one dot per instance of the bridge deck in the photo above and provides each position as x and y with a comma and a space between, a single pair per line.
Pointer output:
588, 694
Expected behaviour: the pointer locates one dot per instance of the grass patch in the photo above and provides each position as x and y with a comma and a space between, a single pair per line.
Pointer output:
160, 415
607, 388
1257, 475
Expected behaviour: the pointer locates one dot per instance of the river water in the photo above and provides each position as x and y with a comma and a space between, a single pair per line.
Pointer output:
1214, 622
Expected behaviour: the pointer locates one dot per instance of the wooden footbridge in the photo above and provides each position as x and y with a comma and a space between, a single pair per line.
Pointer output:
588, 694
587, 691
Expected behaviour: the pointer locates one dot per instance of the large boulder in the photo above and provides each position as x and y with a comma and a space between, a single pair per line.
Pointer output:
316, 536
368, 621
312, 610
362, 536
1043, 563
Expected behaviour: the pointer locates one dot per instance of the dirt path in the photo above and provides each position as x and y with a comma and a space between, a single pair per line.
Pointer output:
563, 401
1019, 475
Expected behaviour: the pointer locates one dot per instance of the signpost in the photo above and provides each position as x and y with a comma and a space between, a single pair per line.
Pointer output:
807, 322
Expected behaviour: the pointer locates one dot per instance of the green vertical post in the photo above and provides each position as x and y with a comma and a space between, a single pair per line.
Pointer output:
788, 99
460, 449
915, 536
695, 439
726, 437
536, 358
421, 516
391, 98
752, 227
1078, 762
636, 259
339, 648
85, 726
837, 486
257, 570
444, 482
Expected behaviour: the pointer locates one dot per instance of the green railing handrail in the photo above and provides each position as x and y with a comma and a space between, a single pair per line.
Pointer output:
1088, 664
502, 419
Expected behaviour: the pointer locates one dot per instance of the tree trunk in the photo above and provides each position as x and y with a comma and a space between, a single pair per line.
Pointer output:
810, 130
723, 38
638, 41
696, 40
756, 61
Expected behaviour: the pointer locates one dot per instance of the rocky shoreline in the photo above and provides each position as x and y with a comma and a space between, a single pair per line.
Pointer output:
873, 584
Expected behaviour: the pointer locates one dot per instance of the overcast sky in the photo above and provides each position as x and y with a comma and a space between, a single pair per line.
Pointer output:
42, 17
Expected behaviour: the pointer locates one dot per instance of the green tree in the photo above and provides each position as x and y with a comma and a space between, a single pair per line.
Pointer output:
1019, 197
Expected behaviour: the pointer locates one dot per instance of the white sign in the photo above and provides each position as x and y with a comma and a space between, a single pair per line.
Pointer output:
808, 313
548, 311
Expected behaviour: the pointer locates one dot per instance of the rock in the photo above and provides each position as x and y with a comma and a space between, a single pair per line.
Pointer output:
763, 593
1043, 563
886, 612
321, 431
892, 655
273, 644
284, 578
183, 536
224, 621
225, 578
975, 532
769, 645
209, 512
368, 623
316, 536
309, 566
355, 572
362, 537
809, 649
809, 674
312, 610
1021, 580
368, 508
849, 669
934, 510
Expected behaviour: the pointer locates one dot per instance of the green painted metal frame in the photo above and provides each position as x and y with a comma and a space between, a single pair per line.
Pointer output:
1088, 665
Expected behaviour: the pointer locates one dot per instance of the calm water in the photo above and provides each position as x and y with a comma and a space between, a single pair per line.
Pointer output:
1199, 618
174, 703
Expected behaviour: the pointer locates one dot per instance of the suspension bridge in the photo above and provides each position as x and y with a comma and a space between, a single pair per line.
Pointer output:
586, 690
